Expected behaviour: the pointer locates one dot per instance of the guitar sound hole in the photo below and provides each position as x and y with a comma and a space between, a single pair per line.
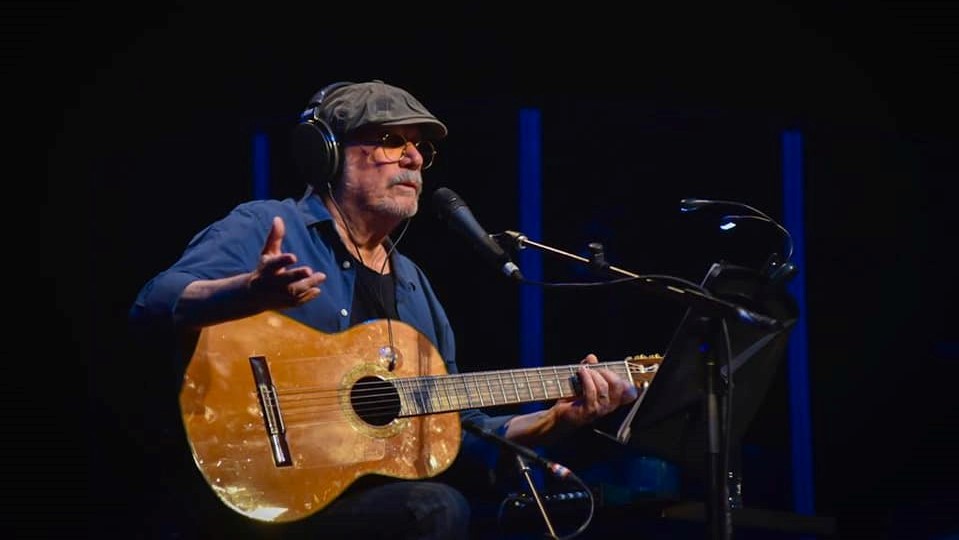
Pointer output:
375, 401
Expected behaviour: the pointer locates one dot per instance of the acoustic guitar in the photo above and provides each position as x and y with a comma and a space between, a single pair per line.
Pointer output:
282, 418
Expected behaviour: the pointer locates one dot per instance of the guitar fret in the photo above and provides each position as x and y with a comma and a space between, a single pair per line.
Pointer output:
459, 397
458, 394
450, 395
462, 393
445, 393
430, 395
453, 399
466, 389
489, 390
559, 384
568, 380
425, 397
479, 393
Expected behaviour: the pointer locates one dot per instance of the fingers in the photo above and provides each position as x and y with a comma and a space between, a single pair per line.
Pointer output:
602, 392
275, 263
603, 389
595, 387
595, 382
303, 290
274, 240
621, 390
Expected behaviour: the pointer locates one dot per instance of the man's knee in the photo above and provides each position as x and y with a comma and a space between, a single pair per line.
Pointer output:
440, 507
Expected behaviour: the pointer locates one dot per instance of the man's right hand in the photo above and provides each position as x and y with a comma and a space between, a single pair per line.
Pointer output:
275, 283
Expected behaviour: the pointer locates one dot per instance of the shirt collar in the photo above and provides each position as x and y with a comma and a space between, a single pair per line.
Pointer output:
312, 207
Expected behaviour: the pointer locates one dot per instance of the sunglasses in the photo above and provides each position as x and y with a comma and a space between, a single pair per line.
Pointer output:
394, 148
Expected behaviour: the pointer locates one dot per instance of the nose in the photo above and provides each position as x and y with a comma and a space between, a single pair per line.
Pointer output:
411, 152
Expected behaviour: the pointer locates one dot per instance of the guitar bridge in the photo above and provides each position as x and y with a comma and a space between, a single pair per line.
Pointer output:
270, 408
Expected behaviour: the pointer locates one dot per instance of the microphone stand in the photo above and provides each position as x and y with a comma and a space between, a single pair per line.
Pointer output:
522, 454
528, 475
711, 311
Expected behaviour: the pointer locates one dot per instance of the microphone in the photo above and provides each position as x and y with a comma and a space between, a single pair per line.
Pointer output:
729, 222
521, 451
690, 205
451, 208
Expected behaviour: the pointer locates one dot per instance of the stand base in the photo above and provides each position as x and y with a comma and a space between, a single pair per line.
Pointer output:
757, 518
652, 519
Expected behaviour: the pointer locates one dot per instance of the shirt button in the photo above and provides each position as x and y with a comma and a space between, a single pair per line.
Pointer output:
346, 264
343, 312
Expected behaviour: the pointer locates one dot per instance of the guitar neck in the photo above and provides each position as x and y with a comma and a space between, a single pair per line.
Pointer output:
447, 393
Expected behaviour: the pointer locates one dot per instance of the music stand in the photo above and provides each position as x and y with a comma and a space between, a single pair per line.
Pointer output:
670, 416
670, 421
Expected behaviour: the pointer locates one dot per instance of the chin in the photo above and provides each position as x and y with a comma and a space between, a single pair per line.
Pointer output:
412, 210
402, 209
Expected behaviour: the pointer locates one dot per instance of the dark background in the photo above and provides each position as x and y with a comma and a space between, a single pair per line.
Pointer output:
145, 115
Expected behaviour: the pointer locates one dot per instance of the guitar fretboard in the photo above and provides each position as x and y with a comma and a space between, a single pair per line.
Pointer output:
430, 395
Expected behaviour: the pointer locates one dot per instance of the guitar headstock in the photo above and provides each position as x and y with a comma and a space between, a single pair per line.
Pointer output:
643, 367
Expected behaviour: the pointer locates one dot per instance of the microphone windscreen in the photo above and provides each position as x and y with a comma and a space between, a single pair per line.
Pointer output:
445, 201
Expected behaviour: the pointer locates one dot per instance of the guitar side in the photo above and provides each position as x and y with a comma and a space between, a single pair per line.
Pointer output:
287, 466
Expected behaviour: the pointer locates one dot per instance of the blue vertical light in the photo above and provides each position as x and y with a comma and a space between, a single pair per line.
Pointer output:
261, 166
530, 260
530, 224
798, 349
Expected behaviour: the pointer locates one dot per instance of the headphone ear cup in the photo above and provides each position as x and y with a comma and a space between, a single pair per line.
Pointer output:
316, 152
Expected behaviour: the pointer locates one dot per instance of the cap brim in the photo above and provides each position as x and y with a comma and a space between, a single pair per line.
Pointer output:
432, 127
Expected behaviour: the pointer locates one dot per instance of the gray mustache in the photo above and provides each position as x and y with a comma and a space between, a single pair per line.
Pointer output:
407, 177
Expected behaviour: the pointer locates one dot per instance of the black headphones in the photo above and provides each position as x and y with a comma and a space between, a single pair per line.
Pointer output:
316, 151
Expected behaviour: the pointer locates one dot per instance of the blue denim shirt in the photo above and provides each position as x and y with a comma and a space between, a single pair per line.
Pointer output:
233, 246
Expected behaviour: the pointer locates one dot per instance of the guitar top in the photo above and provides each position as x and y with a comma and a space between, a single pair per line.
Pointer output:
282, 418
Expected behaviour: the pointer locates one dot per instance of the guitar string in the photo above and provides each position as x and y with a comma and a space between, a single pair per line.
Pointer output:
310, 403
457, 382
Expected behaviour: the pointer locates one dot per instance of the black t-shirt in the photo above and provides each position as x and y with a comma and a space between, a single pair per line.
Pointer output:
374, 296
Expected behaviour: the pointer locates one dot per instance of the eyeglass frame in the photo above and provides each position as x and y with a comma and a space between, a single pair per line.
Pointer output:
382, 144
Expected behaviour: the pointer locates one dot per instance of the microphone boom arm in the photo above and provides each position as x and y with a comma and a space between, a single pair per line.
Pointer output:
704, 303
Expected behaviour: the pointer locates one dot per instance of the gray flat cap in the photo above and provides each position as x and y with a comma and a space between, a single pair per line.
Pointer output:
353, 105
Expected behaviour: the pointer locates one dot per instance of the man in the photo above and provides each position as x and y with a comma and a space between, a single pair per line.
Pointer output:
328, 261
